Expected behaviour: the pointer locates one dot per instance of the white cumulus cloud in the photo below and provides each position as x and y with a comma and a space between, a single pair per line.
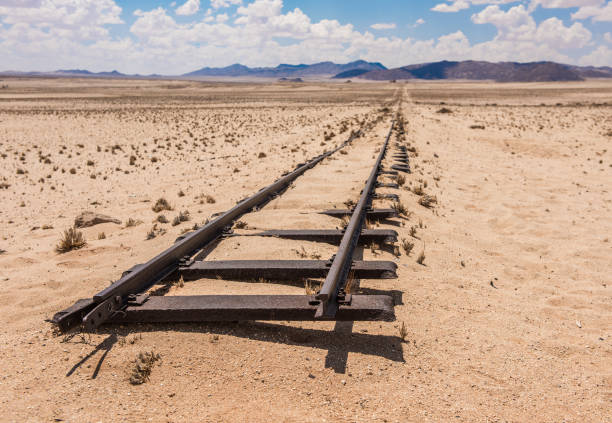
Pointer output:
451, 7
380, 26
218, 4
517, 24
190, 7
601, 56
563, 4
596, 13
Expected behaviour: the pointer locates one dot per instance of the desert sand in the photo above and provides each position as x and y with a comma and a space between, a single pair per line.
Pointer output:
508, 318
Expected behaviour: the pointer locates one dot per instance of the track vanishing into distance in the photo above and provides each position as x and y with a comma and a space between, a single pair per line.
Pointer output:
130, 300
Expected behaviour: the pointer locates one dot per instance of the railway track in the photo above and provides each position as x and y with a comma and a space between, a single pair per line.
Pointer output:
128, 301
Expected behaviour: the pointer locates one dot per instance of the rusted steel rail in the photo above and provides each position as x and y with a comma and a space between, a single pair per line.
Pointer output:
332, 291
127, 299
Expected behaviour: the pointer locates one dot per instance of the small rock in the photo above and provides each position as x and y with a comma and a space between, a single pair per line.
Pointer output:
578, 323
88, 218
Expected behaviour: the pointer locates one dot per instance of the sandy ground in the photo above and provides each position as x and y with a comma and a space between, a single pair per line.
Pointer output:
509, 318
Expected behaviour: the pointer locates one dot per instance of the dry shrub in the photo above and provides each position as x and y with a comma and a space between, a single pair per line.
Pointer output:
311, 287
400, 209
421, 258
407, 246
240, 224
143, 365
155, 231
403, 332
418, 190
207, 198
182, 217
132, 222
72, 239
428, 200
161, 204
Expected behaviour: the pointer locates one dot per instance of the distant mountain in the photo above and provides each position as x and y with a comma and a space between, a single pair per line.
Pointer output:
73, 73
83, 72
480, 70
466, 70
351, 73
285, 71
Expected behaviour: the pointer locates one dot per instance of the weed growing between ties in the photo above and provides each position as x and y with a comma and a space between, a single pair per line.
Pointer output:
311, 287
351, 283
400, 209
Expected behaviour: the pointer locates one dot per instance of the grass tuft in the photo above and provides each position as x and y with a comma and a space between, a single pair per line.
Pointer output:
143, 365
240, 224
182, 217
421, 257
132, 222
403, 332
71, 240
311, 287
428, 201
400, 209
407, 246
161, 204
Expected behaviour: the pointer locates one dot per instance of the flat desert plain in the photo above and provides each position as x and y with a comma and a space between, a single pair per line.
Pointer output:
508, 317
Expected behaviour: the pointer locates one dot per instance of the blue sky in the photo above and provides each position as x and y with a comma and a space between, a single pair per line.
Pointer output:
173, 37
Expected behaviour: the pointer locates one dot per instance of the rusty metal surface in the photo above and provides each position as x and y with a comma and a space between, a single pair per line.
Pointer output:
401, 168
73, 315
372, 214
293, 270
333, 236
387, 185
341, 265
219, 308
